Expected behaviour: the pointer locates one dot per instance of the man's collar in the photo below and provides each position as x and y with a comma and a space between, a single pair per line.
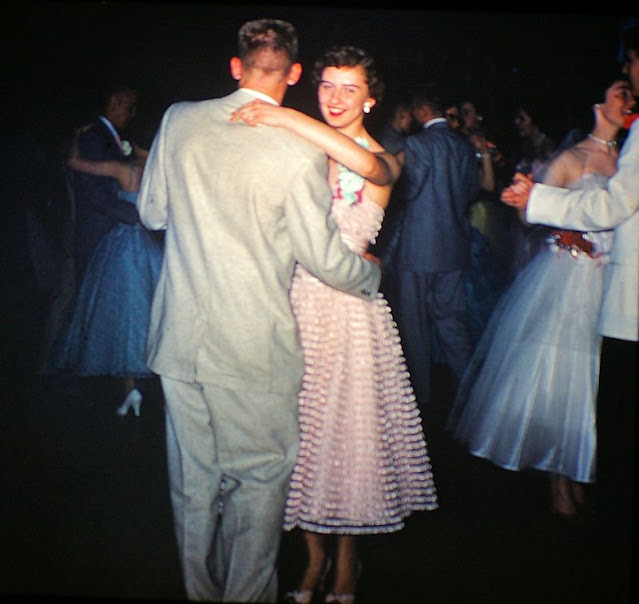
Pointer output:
112, 129
260, 95
435, 120
107, 122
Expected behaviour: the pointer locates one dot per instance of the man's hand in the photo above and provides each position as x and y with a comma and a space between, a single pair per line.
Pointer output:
372, 258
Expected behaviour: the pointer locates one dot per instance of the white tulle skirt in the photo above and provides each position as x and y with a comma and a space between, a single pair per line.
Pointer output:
528, 398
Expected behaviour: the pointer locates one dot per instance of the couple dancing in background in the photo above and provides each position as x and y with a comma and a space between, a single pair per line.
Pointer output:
528, 397
117, 260
362, 466
249, 213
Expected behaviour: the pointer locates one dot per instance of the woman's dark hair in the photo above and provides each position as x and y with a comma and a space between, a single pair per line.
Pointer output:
630, 38
351, 56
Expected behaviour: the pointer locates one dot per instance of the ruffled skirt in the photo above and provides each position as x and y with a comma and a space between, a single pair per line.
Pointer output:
363, 465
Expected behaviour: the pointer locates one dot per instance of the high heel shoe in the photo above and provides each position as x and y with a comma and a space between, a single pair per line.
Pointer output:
133, 401
332, 598
339, 598
305, 596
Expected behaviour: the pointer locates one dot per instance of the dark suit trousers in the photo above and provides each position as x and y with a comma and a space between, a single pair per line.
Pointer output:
616, 426
430, 310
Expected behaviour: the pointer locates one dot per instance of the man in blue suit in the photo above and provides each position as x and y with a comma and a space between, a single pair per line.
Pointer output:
440, 180
97, 207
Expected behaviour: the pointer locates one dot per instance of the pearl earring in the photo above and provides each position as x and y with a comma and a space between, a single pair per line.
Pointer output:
367, 107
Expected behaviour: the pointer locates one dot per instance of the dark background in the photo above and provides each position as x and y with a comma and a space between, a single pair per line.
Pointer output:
59, 55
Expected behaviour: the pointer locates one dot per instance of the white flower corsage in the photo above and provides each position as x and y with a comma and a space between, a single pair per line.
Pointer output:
349, 183
127, 148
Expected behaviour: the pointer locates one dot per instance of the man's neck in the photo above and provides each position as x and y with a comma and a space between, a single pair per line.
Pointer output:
260, 95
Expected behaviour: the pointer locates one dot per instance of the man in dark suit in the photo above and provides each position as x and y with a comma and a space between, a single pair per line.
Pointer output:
440, 181
96, 205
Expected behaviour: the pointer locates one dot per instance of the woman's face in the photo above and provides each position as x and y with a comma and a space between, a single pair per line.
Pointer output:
341, 95
618, 104
469, 115
523, 122
452, 115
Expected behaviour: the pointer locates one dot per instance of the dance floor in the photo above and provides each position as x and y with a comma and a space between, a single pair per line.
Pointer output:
86, 514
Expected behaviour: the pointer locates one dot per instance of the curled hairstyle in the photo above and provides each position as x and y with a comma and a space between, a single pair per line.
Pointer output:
630, 38
351, 56
271, 34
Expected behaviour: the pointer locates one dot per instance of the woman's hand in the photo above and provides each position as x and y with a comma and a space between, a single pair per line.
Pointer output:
518, 193
260, 112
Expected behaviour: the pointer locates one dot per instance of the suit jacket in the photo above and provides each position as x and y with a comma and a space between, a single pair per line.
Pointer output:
240, 205
440, 180
612, 207
96, 204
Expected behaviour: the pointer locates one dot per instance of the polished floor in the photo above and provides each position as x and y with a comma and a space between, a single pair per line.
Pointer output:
85, 514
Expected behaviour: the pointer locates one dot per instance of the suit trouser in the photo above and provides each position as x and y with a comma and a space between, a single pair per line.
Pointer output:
617, 427
230, 456
428, 306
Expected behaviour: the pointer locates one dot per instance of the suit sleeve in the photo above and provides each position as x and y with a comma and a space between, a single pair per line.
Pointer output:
415, 171
152, 200
315, 237
101, 191
596, 209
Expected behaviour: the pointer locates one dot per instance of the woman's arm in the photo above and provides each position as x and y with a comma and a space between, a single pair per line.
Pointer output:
486, 169
380, 168
97, 168
128, 176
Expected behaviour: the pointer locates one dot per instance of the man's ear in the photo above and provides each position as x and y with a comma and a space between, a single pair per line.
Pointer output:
237, 70
294, 74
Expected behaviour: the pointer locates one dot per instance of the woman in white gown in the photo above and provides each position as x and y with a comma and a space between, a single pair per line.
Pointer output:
528, 397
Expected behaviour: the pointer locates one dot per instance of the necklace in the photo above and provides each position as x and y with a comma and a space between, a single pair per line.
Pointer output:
603, 141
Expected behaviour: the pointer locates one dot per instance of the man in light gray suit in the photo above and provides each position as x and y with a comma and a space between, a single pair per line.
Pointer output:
240, 205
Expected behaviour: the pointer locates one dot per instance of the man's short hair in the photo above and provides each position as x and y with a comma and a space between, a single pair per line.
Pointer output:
262, 34
428, 96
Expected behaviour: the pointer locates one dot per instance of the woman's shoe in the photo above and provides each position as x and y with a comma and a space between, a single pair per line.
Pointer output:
331, 598
570, 520
339, 598
305, 596
298, 597
133, 401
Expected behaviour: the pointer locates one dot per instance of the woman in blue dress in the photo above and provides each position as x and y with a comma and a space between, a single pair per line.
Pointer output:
528, 397
107, 331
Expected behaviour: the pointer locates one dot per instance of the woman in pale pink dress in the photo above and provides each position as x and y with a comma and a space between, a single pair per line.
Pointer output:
363, 466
